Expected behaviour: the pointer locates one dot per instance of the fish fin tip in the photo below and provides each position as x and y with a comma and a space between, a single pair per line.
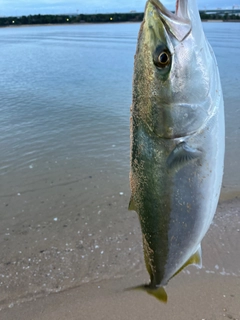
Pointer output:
181, 155
159, 292
131, 206
195, 259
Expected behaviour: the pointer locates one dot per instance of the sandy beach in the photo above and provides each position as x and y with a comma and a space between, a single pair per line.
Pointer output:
206, 296
210, 293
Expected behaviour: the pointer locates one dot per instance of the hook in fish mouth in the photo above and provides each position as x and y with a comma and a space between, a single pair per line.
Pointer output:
179, 24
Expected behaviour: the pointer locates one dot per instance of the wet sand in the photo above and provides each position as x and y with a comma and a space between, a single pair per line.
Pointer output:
210, 293
209, 297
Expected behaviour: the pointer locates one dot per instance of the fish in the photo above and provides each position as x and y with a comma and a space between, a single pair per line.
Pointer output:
177, 133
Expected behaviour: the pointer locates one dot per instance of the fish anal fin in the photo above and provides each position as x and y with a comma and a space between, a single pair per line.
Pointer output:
195, 259
131, 205
158, 292
181, 155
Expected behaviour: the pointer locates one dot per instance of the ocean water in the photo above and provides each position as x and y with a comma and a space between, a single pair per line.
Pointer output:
65, 96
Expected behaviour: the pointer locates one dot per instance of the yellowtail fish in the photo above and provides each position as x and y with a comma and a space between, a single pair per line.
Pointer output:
177, 140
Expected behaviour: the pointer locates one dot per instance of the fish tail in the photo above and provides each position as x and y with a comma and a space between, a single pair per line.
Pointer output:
158, 292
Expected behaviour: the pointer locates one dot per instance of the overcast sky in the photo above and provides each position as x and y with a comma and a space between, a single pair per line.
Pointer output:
26, 7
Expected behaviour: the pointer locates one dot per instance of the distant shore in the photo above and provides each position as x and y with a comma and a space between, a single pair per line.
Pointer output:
36, 20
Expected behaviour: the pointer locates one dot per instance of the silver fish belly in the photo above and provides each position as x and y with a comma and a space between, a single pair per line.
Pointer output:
177, 140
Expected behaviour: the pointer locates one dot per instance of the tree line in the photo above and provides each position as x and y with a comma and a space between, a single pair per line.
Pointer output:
219, 16
96, 18
67, 19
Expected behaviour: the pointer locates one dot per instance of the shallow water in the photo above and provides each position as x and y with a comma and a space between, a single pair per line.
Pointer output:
65, 95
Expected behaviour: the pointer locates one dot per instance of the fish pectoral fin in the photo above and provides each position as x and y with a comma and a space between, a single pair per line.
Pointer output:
195, 259
181, 155
131, 205
158, 292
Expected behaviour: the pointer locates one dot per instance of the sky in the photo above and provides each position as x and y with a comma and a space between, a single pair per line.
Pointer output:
27, 7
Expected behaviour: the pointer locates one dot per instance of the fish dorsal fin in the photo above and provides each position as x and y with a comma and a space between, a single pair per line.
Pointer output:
195, 259
181, 155
131, 205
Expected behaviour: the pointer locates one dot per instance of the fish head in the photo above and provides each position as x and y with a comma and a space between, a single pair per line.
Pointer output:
173, 67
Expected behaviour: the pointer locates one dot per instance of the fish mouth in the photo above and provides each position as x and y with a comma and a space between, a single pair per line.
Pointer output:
178, 23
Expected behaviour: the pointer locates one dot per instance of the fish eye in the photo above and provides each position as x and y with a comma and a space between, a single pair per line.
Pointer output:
162, 57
